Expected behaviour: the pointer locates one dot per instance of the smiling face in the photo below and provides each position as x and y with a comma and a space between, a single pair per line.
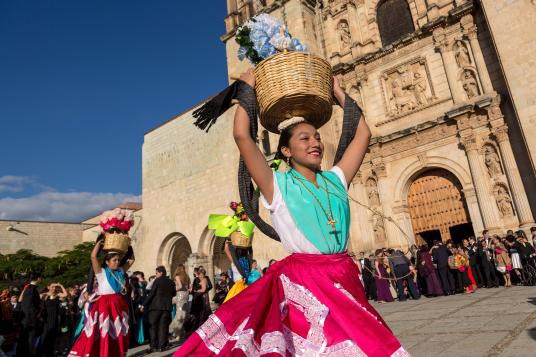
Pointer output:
305, 147
113, 262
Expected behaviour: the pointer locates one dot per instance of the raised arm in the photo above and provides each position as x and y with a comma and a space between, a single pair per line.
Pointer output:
250, 152
63, 294
95, 264
129, 261
355, 152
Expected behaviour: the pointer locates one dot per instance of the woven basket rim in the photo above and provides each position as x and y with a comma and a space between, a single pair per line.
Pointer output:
291, 52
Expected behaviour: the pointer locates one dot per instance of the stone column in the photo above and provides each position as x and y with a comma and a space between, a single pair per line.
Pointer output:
519, 196
470, 30
479, 175
393, 236
449, 62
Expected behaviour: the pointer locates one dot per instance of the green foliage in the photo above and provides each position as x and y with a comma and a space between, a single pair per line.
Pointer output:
69, 267
242, 38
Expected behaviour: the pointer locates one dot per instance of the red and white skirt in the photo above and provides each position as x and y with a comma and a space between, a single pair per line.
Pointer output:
105, 332
306, 304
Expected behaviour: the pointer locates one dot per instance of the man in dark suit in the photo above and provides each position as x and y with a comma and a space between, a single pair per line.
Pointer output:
158, 307
368, 278
440, 254
30, 308
401, 267
485, 255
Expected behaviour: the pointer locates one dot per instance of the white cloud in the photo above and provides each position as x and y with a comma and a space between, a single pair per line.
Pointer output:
60, 206
13, 183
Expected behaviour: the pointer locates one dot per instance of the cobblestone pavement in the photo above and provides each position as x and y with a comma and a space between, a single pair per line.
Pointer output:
490, 322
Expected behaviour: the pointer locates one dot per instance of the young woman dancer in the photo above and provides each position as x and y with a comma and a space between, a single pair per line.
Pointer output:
310, 303
106, 329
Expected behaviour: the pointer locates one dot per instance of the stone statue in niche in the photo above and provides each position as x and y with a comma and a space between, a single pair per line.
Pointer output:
372, 192
462, 54
344, 34
470, 84
504, 202
492, 161
379, 228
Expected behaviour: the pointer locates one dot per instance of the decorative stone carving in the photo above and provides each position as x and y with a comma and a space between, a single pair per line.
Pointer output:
372, 192
504, 202
461, 53
407, 88
355, 94
469, 142
378, 228
492, 161
501, 133
470, 84
344, 34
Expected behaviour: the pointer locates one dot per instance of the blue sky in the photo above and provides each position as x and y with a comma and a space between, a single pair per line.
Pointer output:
80, 83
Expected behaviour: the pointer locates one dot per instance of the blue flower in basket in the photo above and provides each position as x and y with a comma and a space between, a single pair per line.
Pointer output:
267, 50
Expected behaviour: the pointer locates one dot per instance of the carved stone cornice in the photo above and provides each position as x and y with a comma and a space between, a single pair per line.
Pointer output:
417, 139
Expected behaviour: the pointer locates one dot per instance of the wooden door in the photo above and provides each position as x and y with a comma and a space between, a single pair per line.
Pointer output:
436, 202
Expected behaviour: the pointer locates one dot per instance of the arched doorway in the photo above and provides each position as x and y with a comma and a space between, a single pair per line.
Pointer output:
175, 250
437, 207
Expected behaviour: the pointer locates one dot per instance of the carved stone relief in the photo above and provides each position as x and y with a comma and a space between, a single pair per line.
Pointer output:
407, 88
378, 228
504, 202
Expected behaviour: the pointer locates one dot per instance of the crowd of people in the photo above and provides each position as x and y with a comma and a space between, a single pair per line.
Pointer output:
47, 321
449, 268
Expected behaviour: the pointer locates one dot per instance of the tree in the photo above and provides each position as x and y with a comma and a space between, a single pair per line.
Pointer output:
69, 267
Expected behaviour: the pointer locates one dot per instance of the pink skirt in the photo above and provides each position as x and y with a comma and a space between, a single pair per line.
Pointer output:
105, 332
306, 304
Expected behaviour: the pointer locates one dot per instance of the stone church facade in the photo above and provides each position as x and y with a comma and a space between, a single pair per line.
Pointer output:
449, 154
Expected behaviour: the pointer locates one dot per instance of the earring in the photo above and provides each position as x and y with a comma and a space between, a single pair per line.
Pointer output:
288, 161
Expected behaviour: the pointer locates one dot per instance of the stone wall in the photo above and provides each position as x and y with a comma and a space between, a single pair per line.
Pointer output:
44, 238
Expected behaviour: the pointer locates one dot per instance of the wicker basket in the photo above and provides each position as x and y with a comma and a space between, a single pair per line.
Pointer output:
117, 242
292, 84
240, 240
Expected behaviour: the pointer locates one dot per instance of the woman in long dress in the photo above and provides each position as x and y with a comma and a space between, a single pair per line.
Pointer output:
383, 293
182, 282
428, 272
200, 304
106, 329
310, 303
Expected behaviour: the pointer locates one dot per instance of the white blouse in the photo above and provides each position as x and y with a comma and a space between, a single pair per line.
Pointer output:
291, 237
104, 287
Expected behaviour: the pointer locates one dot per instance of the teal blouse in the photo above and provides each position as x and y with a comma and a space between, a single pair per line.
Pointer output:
310, 216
